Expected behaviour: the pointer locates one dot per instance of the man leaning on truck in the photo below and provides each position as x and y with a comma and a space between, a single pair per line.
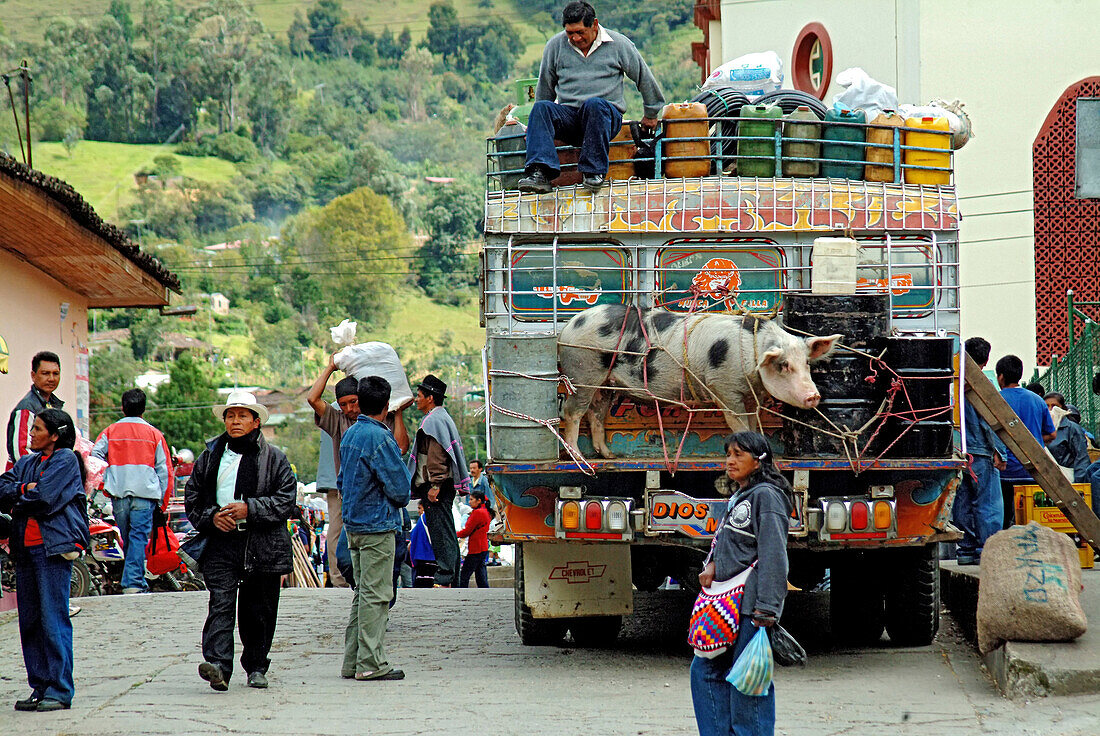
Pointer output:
579, 98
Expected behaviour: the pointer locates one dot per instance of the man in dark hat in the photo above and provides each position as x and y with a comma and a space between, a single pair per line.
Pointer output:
438, 468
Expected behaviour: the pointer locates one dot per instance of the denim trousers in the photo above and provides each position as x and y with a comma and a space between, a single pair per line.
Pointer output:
474, 565
134, 517
979, 506
1093, 475
720, 709
252, 597
45, 631
590, 126
364, 637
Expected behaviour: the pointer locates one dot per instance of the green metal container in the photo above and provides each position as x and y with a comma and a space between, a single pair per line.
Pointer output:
757, 121
525, 98
796, 126
837, 145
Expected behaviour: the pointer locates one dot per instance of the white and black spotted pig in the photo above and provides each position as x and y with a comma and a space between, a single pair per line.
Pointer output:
730, 356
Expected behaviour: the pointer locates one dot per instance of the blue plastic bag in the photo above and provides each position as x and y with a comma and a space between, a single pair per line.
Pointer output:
751, 674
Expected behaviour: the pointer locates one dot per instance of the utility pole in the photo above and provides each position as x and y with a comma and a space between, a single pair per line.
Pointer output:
25, 73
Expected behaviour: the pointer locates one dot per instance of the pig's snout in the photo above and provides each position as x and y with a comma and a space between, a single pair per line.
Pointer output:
812, 400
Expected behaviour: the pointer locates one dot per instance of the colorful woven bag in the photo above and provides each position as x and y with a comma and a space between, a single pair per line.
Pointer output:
716, 616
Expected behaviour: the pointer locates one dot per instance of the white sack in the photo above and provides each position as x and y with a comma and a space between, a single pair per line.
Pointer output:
864, 93
343, 333
753, 75
1030, 588
377, 359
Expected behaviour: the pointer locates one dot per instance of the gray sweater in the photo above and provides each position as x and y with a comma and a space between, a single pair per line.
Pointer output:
755, 528
568, 78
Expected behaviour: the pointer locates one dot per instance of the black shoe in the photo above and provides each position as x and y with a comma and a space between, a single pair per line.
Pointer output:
536, 182
391, 675
212, 674
47, 704
594, 182
28, 704
257, 680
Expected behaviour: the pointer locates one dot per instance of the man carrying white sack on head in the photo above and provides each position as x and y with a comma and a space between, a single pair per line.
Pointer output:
368, 359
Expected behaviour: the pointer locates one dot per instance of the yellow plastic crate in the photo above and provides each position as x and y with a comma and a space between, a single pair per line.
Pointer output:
1052, 517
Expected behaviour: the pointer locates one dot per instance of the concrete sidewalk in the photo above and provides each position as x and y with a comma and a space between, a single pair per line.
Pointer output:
1031, 669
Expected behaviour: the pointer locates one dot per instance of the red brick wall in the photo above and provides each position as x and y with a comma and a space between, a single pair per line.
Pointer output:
1067, 229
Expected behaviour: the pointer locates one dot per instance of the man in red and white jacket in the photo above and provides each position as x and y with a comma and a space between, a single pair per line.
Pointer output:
45, 377
138, 478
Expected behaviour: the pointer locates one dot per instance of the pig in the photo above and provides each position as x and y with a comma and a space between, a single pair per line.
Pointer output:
729, 358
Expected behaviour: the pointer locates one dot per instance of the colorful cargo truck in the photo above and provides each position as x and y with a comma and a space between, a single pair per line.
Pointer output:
874, 465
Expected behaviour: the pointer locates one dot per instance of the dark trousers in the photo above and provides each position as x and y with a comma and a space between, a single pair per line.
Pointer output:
474, 565
590, 126
45, 631
253, 598
423, 574
441, 530
1008, 495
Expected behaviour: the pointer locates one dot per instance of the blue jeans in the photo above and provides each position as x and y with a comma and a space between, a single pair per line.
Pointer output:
590, 126
979, 507
474, 565
1093, 475
720, 709
45, 630
134, 517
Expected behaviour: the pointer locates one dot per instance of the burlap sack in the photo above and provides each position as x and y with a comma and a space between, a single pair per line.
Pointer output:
1030, 588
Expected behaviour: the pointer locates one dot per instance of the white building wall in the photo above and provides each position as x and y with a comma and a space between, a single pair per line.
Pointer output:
1008, 61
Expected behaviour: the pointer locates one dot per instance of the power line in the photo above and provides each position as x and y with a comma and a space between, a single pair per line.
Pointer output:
1002, 212
995, 194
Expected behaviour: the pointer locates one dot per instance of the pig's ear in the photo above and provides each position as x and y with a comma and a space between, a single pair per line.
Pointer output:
821, 346
769, 356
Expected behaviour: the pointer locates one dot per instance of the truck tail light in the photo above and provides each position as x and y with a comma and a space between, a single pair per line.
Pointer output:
616, 516
836, 517
570, 515
883, 515
859, 514
593, 516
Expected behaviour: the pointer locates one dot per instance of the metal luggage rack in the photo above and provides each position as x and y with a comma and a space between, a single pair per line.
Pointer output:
723, 144
639, 277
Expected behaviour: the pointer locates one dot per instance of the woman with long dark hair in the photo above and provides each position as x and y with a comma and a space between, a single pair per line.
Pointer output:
753, 532
477, 552
45, 492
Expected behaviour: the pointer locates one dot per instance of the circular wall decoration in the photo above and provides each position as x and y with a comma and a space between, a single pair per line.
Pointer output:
812, 63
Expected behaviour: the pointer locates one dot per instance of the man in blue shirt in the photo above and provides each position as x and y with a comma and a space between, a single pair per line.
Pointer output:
1034, 414
978, 510
375, 485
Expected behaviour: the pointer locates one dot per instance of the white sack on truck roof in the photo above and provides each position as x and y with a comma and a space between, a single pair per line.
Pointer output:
753, 75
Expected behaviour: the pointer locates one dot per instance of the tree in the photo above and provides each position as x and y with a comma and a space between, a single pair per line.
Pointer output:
297, 36
451, 217
324, 17
363, 241
111, 372
415, 67
146, 334
182, 406
224, 43
120, 11
164, 33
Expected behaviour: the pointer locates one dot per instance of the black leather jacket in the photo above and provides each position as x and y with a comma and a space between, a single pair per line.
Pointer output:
270, 504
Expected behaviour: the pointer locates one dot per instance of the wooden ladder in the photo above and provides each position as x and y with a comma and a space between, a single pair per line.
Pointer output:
987, 401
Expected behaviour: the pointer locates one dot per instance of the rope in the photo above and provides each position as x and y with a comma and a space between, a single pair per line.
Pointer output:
549, 424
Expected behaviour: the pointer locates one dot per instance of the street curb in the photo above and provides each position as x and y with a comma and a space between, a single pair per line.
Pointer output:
1030, 669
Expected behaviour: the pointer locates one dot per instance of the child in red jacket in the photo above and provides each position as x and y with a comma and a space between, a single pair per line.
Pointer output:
477, 529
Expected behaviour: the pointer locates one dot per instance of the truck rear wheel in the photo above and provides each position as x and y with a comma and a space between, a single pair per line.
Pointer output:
595, 631
913, 597
857, 612
532, 631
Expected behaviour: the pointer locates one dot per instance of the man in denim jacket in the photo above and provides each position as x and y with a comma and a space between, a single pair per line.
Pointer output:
375, 485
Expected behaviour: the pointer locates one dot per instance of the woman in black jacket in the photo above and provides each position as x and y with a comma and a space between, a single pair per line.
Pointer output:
45, 493
753, 531
240, 495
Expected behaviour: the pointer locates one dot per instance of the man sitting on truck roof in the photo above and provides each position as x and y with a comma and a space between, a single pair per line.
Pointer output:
579, 98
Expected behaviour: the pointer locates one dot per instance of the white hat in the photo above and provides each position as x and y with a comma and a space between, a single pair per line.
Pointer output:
244, 400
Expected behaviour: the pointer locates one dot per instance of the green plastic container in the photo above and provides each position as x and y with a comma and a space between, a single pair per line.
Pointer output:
795, 126
757, 121
837, 144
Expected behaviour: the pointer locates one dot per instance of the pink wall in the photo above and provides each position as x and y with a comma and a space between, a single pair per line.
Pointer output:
30, 320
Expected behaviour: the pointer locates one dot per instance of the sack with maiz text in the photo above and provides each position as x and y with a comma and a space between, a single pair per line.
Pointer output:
1030, 588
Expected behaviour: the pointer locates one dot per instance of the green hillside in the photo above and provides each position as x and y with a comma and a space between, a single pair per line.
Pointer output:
103, 172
